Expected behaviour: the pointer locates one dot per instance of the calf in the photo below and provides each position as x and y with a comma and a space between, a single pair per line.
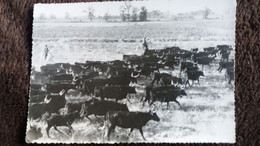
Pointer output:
132, 120
193, 75
61, 120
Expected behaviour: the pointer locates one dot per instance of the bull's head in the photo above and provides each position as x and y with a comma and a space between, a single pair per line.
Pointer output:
154, 116
182, 92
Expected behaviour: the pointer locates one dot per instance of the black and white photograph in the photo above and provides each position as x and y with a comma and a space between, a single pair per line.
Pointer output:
152, 71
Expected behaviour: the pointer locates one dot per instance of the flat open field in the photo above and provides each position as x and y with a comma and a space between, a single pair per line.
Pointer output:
206, 113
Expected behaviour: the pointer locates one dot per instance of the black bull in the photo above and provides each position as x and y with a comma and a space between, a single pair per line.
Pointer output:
114, 92
89, 85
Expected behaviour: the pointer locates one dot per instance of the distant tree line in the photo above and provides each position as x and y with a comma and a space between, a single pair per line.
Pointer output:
130, 13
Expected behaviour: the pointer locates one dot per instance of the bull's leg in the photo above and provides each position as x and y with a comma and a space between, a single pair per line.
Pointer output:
158, 81
130, 132
229, 81
149, 76
168, 105
209, 65
47, 130
177, 102
88, 118
151, 103
55, 127
128, 99
70, 127
187, 82
141, 131
192, 82
152, 81
198, 81
111, 128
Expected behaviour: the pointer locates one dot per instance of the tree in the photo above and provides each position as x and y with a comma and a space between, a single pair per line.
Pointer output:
67, 16
42, 16
90, 12
126, 10
143, 14
207, 11
106, 17
134, 14
53, 17
123, 17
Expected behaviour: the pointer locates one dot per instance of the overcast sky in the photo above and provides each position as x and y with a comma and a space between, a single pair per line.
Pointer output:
113, 8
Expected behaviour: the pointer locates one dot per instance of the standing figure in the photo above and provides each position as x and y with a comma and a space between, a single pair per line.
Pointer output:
46, 51
145, 45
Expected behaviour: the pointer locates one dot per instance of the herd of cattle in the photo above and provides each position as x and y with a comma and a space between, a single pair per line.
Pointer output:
105, 84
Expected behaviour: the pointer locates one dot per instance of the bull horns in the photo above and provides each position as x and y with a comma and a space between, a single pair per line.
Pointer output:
132, 75
62, 92
46, 100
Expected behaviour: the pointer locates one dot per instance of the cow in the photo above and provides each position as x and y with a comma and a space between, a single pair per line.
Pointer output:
62, 77
230, 74
224, 48
208, 49
194, 50
165, 81
146, 71
123, 79
186, 55
198, 55
193, 75
225, 56
37, 98
169, 63
158, 76
130, 57
223, 65
100, 108
56, 88
79, 80
149, 89
166, 95
184, 65
53, 103
61, 120
76, 70
132, 120
114, 92
89, 85
204, 61
36, 110
36, 86
37, 92
117, 92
